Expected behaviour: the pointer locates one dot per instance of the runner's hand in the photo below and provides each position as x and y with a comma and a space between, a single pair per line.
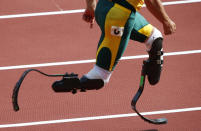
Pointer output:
88, 16
169, 27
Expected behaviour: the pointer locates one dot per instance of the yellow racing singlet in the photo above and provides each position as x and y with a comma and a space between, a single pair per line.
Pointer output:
137, 4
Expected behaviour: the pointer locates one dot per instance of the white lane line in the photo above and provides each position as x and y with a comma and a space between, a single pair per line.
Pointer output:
42, 14
98, 117
80, 10
180, 2
92, 60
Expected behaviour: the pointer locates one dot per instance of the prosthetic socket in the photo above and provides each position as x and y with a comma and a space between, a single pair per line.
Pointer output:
71, 83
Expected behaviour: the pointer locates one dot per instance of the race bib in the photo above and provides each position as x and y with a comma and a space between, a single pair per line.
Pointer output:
117, 31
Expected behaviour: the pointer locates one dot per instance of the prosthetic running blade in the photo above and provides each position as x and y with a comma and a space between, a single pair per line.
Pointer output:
139, 93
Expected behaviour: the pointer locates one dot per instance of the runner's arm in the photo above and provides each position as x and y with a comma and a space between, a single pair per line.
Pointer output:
157, 9
91, 4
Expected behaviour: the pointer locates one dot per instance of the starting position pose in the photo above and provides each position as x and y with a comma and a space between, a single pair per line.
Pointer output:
120, 21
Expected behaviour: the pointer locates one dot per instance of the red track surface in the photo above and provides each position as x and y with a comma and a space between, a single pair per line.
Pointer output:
59, 38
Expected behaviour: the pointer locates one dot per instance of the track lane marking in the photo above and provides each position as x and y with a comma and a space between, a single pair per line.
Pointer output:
92, 60
81, 10
98, 117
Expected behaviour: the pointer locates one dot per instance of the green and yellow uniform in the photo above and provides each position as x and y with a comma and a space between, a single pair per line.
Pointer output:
137, 4
119, 21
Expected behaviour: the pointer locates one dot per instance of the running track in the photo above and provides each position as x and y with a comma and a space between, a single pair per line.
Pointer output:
60, 42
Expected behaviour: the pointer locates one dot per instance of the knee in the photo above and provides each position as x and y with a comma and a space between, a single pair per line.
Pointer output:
95, 79
156, 36
99, 73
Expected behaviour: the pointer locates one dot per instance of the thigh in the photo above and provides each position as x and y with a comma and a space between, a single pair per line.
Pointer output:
142, 29
116, 29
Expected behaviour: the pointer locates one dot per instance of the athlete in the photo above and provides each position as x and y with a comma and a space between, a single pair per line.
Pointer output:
120, 21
